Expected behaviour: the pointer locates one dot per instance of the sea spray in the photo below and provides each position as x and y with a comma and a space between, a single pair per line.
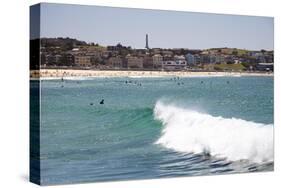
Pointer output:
189, 131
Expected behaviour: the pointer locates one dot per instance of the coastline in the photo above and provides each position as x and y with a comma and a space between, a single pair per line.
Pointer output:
59, 73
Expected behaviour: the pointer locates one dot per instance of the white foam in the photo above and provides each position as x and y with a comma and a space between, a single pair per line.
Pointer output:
147, 76
50, 78
193, 132
68, 78
77, 78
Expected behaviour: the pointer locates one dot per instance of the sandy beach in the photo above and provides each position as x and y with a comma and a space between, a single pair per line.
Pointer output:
58, 73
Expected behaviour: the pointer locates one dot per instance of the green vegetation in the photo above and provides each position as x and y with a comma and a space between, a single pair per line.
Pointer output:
241, 52
60, 43
225, 67
229, 67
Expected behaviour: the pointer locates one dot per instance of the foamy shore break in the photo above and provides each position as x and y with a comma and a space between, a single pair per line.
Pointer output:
58, 73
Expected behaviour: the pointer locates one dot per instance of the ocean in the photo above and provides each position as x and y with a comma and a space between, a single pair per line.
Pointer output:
154, 127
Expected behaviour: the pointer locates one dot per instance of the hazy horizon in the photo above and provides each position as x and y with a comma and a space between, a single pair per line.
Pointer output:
166, 29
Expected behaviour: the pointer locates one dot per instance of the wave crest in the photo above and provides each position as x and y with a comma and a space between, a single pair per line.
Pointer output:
193, 132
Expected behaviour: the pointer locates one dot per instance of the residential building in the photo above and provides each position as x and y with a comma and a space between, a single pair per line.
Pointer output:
134, 62
67, 59
179, 63
190, 59
82, 60
205, 59
115, 62
213, 59
173, 65
157, 60
220, 59
167, 53
52, 59
155, 50
265, 67
197, 59
180, 59
147, 62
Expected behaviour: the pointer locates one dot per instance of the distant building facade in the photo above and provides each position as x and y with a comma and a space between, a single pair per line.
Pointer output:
71, 52
265, 67
147, 62
157, 60
134, 62
178, 63
180, 59
115, 62
190, 59
82, 60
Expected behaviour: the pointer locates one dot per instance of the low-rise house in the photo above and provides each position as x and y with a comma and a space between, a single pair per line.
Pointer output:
261, 59
155, 50
205, 59
237, 61
197, 58
67, 59
213, 59
180, 58
157, 60
190, 59
52, 59
168, 58
269, 58
134, 62
264, 67
179, 63
96, 60
115, 62
112, 48
167, 53
255, 53
220, 59
105, 54
173, 65
82, 60
147, 62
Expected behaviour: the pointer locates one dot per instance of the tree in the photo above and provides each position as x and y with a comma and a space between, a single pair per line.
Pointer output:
235, 52
119, 45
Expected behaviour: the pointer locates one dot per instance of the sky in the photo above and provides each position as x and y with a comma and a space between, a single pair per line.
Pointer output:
166, 29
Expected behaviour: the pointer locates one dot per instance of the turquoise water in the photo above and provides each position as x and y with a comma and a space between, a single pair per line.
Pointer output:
154, 127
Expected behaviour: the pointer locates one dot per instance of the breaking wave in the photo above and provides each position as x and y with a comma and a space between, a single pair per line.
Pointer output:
189, 131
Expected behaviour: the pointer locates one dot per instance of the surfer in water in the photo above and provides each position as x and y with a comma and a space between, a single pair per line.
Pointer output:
102, 101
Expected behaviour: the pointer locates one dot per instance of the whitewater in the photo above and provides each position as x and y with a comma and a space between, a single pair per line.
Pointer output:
233, 139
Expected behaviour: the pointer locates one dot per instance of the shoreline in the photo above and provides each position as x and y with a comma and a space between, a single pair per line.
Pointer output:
59, 73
